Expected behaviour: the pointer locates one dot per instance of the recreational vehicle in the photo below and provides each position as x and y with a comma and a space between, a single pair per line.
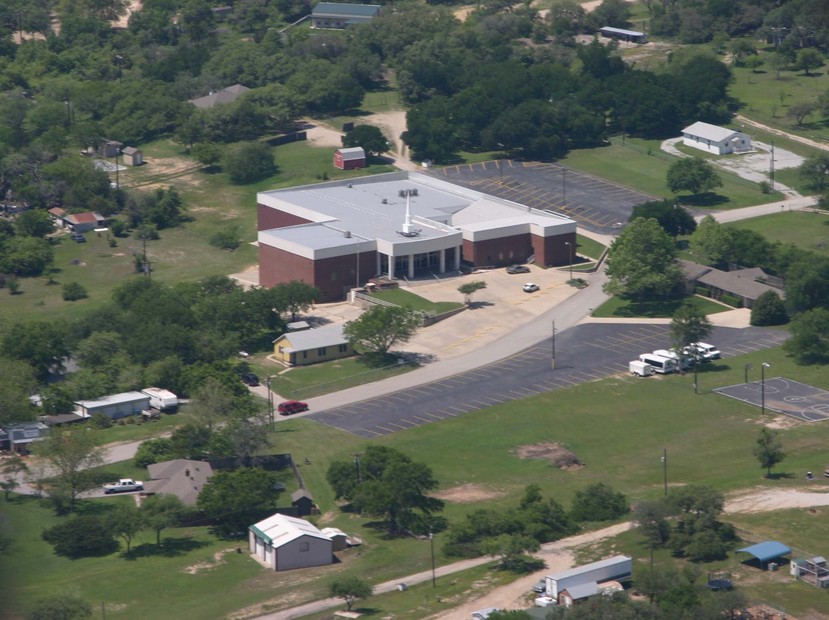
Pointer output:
661, 365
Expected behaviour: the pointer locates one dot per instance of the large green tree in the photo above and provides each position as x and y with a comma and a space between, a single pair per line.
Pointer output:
641, 261
235, 499
350, 589
711, 242
248, 162
367, 136
18, 382
768, 449
379, 328
71, 451
809, 341
689, 325
160, 512
692, 174
675, 220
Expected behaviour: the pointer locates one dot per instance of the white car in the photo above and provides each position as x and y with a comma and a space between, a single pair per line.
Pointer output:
529, 287
124, 485
706, 351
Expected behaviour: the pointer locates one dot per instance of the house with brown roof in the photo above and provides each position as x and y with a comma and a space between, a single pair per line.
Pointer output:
83, 222
180, 477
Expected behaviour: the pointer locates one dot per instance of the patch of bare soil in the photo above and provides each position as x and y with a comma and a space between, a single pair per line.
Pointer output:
552, 452
467, 494
764, 500
212, 563
783, 422
320, 135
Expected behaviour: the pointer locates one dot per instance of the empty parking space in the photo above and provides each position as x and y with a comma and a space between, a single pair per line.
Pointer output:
584, 353
594, 203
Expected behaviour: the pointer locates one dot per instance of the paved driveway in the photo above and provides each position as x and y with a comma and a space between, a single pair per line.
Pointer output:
584, 353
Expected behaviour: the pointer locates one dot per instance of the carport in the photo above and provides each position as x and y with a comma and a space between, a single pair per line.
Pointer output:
766, 551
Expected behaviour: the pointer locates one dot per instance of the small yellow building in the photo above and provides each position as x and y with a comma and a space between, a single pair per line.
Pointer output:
312, 346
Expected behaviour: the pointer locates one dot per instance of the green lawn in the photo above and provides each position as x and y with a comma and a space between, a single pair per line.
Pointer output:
588, 247
809, 231
620, 307
309, 381
416, 302
640, 165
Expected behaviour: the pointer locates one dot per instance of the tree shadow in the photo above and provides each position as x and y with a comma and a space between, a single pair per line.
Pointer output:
169, 548
783, 475
474, 305
705, 199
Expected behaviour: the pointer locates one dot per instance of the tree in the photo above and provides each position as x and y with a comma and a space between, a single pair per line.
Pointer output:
598, 502
673, 219
652, 519
27, 256
211, 404
379, 328
692, 174
18, 382
71, 451
511, 548
367, 136
235, 499
711, 242
60, 607
125, 522
350, 589
73, 291
153, 451
81, 536
799, 111
34, 223
809, 341
294, 297
468, 288
809, 58
768, 309
769, 449
228, 238
807, 284
248, 162
40, 343
814, 172
162, 511
641, 261
689, 325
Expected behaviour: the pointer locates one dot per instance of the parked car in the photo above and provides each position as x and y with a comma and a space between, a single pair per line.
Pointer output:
124, 485
290, 407
706, 352
540, 587
529, 287
250, 379
78, 238
518, 269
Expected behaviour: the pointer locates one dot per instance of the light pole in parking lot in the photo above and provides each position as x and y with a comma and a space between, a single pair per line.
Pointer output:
554, 346
563, 186
570, 247
763, 367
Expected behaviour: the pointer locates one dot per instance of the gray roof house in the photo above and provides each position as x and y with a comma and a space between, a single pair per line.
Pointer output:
715, 139
115, 405
342, 14
312, 345
17, 437
226, 95
741, 283
180, 477
281, 542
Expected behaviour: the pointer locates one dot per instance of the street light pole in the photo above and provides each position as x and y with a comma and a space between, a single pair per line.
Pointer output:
554, 345
763, 367
665, 468
570, 247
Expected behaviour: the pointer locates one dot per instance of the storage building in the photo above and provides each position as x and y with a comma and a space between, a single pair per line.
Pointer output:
114, 406
350, 159
583, 579
283, 543
715, 139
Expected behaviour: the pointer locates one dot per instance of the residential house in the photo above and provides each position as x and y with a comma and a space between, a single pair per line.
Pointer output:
226, 95
84, 222
632, 36
342, 14
284, 543
312, 346
350, 159
17, 437
715, 139
744, 284
180, 477
132, 156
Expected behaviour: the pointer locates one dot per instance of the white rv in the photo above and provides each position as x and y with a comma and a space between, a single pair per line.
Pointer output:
683, 361
640, 369
161, 399
661, 365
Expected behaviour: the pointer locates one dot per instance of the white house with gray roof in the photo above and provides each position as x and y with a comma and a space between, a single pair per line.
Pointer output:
715, 139
281, 542
312, 345
337, 235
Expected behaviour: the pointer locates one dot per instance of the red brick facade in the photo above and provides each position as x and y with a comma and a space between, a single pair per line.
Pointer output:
498, 252
268, 218
551, 251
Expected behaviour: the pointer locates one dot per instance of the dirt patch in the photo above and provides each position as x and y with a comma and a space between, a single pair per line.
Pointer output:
213, 562
468, 494
554, 453
764, 500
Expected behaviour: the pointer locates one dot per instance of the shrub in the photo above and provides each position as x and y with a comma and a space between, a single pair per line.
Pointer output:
83, 536
227, 238
118, 228
153, 451
73, 291
769, 309
60, 607
598, 502
101, 420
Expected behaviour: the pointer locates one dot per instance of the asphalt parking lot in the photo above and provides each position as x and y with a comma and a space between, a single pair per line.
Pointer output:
595, 204
584, 353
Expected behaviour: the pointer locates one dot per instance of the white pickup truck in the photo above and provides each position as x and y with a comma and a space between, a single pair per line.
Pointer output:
124, 485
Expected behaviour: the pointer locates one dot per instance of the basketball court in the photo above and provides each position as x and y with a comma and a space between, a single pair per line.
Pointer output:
786, 396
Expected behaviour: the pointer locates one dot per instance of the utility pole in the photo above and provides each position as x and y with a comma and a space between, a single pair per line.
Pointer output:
748, 367
763, 367
146, 263
554, 346
771, 166
432, 544
271, 417
570, 247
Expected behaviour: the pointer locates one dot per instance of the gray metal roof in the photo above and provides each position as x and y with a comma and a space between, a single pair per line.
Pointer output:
582, 590
734, 283
113, 399
343, 9
708, 131
616, 559
767, 550
328, 336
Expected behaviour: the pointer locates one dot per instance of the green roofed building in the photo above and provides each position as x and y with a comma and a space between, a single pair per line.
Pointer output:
342, 14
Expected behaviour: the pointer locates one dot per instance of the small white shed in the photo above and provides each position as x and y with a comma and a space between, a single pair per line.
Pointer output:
715, 139
283, 543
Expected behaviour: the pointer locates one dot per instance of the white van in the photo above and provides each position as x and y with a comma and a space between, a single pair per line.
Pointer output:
661, 365
640, 369
707, 351
683, 361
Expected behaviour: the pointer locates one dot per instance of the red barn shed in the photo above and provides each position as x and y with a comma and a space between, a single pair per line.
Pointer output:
350, 159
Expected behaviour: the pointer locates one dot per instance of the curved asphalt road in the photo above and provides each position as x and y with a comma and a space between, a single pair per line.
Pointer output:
584, 353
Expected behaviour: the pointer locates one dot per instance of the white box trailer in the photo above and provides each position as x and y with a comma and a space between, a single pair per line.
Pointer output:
115, 406
661, 365
617, 568
640, 369
161, 399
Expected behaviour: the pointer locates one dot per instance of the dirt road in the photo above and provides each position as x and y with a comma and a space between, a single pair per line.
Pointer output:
779, 132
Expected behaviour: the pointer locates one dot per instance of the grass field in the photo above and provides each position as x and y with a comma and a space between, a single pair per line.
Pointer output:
416, 302
619, 307
809, 231
588, 247
640, 165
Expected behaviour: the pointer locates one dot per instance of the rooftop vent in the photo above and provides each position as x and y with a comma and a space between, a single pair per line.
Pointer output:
347, 234
402, 193
384, 201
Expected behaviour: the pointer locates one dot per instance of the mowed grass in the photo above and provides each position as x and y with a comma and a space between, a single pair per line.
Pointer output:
621, 307
588, 247
631, 165
807, 230
416, 302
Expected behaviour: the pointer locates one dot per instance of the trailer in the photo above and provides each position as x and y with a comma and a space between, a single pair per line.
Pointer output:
161, 399
683, 361
661, 365
640, 369
617, 568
